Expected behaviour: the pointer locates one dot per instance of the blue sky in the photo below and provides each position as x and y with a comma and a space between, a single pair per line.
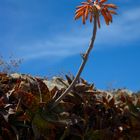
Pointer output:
44, 34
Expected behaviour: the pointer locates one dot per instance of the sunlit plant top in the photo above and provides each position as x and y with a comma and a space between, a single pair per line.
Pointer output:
95, 8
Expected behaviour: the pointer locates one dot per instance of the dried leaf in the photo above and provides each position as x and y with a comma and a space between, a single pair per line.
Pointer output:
122, 98
81, 87
111, 102
105, 100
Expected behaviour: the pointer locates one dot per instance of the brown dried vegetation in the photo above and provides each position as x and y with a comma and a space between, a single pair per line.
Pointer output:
84, 114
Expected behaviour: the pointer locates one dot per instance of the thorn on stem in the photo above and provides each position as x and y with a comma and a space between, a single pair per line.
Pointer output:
83, 55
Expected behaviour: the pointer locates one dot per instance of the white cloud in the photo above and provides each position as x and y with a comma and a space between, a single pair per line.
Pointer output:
125, 29
59, 47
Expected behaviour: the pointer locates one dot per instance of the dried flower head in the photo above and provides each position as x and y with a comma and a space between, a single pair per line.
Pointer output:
94, 9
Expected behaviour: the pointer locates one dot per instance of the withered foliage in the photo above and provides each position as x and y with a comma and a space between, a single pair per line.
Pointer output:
10, 66
84, 114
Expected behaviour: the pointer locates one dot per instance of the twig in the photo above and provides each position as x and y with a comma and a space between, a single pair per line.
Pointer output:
18, 104
84, 58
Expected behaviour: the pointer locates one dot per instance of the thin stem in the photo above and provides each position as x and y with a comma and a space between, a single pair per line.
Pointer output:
85, 58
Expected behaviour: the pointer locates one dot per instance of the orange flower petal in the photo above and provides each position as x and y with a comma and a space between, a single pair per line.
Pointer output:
86, 13
80, 9
109, 16
102, 1
89, 1
79, 14
85, 3
111, 6
79, 6
105, 17
112, 12
83, 19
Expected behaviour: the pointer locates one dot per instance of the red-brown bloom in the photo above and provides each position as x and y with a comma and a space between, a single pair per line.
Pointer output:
95, 9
